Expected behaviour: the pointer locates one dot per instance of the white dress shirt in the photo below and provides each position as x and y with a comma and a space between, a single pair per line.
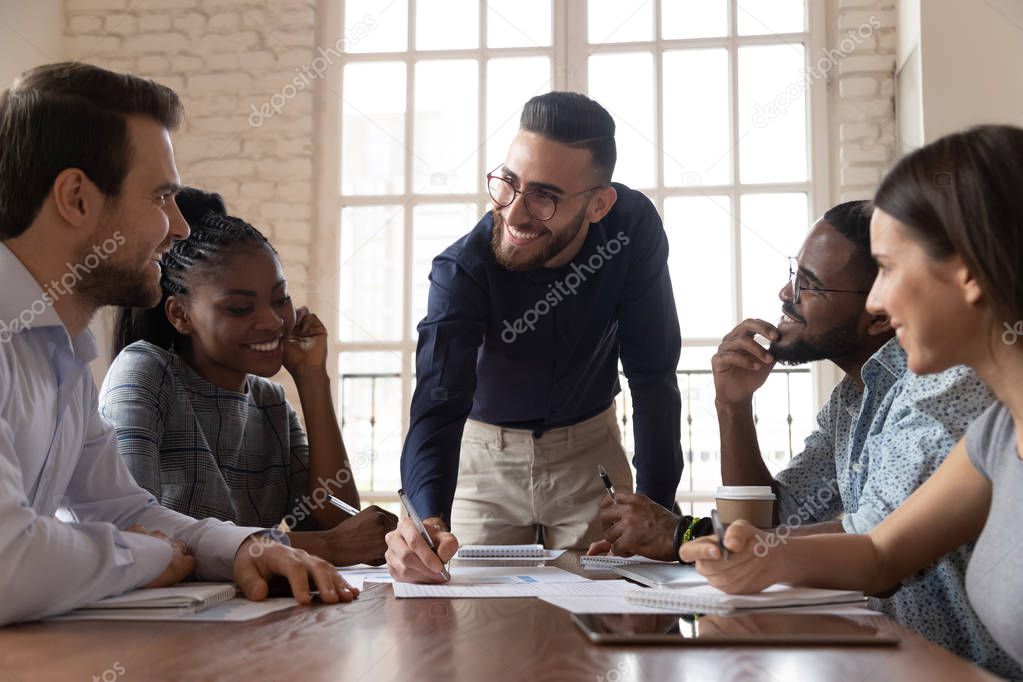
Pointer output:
56, 451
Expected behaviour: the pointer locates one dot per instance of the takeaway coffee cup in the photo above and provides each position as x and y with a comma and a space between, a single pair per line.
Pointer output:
755, 503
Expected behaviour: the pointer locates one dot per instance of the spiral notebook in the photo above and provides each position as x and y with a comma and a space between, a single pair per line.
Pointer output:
607, 561
501, 551
187, 598
706, 598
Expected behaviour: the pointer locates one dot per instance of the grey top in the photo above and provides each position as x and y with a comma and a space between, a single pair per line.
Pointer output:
202, 450
873, 447
993, 580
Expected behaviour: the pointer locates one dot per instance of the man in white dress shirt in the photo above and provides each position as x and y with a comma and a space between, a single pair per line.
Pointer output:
87, 185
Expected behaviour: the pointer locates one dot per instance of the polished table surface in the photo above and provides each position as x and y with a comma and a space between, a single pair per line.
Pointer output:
378, 637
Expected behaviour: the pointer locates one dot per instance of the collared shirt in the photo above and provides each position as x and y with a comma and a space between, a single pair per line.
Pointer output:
540, 349
872, 448
203, 450
56, 451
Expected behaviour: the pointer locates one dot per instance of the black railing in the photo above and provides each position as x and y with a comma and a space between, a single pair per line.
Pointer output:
692, 384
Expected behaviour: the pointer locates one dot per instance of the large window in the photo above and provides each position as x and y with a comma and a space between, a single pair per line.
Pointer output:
717, 122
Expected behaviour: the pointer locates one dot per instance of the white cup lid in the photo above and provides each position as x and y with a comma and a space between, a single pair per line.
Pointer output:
745, 492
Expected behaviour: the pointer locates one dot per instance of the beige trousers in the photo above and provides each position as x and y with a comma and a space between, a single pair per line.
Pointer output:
514, 488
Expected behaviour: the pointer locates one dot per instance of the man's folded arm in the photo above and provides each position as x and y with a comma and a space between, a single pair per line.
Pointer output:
48, 567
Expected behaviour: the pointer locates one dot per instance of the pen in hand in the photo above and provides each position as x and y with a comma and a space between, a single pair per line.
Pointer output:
342, 505
420, 528
719, 530
607, 483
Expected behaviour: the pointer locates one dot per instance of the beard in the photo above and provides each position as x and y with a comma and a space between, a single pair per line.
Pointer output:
558, 243
837, 342
118, 284
112, 275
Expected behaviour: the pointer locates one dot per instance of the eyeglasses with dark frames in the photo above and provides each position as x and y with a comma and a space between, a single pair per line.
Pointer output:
541, 205
799, 289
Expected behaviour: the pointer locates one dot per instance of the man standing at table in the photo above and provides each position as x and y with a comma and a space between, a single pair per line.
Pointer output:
87, 186
528, 317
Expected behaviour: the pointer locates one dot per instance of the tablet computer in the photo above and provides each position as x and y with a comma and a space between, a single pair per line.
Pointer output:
661, 575
734, 629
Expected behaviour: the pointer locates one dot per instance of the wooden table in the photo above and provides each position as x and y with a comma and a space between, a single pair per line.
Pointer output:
378, 637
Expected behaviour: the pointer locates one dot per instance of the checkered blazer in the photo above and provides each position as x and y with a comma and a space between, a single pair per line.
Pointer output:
202, 450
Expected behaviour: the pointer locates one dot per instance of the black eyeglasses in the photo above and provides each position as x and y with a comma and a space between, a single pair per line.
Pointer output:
541, 205
798, 288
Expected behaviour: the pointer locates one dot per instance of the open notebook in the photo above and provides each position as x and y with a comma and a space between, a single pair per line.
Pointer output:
706, 598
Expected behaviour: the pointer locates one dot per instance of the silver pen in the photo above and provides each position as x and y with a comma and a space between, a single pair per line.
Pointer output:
420, 528
342, 505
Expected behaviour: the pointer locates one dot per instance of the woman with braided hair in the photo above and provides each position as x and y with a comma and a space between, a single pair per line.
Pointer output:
199, 422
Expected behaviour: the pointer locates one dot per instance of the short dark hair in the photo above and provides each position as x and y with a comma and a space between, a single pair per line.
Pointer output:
851, 219
575, 120
961, 194
214, 237
70, 115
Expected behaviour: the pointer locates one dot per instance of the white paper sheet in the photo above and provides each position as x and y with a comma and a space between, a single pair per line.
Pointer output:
582, 588
358, 576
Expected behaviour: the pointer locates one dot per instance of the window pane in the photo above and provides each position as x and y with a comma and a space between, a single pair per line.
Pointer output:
518, 23
373, 128
773, 228
700, 261
693, 19
510, 83
631, 103
614, 21
770, 16
447, 24
697, 139
371, 413
434, 228
783, 394
772, 114
700, 433
445, 126
371, 273
373, 26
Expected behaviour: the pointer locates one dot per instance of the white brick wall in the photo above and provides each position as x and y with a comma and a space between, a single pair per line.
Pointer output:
862, 101
224, 57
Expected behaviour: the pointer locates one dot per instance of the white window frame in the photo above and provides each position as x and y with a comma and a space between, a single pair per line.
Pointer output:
569, 54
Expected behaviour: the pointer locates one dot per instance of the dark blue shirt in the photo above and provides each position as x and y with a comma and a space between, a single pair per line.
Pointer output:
540, 350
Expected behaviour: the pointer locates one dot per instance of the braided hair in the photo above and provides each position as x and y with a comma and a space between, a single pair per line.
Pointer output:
215, 236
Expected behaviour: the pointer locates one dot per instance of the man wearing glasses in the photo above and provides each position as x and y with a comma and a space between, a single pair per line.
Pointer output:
882, 433
528, 317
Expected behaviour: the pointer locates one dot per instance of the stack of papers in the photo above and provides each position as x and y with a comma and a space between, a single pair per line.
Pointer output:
207, 602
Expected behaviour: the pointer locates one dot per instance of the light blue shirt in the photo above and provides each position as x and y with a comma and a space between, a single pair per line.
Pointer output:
56, 451
872, 448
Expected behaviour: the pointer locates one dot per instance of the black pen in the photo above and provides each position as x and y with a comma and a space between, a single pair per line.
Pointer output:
607, 483
719, 530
